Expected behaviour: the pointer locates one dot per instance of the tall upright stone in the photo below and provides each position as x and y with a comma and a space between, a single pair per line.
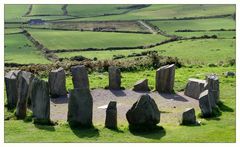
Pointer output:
111, 115
80, 107
23, 84
195, 87
11, 88
165, 78
114, 78
57, 83
40, 97
213, 89
204, 104
80, 77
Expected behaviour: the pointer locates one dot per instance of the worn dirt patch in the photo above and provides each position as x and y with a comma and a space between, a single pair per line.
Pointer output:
171, 105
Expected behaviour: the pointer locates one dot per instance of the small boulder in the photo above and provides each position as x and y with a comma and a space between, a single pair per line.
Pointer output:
194, 87
57, 83
229, 74
114, 78
141, 85
188, 117
80, 107
204, 104
111, 115
144, 113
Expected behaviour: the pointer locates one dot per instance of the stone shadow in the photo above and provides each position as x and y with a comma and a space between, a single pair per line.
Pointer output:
45, 127
82, 132
118, 93
224, 107
152, 133
60, 100
175, 97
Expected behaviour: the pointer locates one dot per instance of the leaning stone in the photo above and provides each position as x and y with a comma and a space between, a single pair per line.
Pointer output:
204, 104
141, 85
24, 80
144, 113
111, 115
114, 78
165, 78
57, 83
39, 95
188, 117
80, 107
194, 88
213, 89
80, 77
11, 88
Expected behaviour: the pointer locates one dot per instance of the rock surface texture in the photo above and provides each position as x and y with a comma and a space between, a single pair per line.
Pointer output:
23, 84
204, 104
80, 108
165, 78
114, 78
80, 77
11, 88
194, 88
188, 117
111, 115
144, 112
39, 95
141, 85
213, 90
57, 83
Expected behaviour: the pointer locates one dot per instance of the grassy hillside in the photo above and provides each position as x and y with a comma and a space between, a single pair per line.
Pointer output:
49, 9
20, 50
14, 12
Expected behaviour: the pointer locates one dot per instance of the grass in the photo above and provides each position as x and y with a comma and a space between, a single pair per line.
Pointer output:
197, 24
220, 34
75, 39
91, 10
11, 30
202, 51
168, 11
18, 49
46, 9
220, 129
14, 12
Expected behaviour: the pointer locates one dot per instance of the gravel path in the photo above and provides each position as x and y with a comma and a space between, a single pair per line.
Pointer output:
171, 105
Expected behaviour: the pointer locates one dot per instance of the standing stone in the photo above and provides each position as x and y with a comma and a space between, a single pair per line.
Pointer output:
213, 90
39, 95
204, 104
141, 85
57, 83
195, 87
11, 88
144, 112
80, 107
114, 78
188, 117
111, 115
80, 77
24, 80
165, 78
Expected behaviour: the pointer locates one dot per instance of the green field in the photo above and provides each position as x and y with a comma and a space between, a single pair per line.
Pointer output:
190, 51
16, 51
77, 40
49, 9
169, 11
14, 13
